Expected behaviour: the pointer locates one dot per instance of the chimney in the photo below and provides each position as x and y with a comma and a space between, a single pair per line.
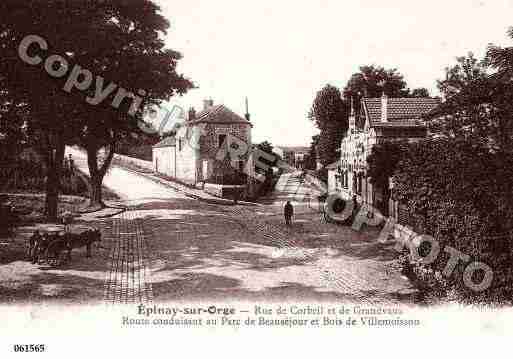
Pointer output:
208, 103
192, 114
247, 110
384, 107
352, 116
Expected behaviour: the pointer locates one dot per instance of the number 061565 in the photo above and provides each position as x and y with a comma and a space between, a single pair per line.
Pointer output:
29, 348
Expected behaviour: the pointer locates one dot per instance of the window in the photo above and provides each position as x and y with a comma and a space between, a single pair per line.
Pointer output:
221, 140
179, 144
359, 183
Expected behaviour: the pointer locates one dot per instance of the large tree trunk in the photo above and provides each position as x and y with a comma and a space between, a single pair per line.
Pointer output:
95, 192
54, 161
97, 174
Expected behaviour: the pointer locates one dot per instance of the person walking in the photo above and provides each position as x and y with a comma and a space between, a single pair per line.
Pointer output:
288, 212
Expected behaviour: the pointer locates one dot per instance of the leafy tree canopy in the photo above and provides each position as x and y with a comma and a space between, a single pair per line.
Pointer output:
372, 80
466, 71
119, 42
383, 161
478, 108
329, 112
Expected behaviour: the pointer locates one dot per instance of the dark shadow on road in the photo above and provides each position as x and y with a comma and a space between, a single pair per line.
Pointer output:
204, 286
52, 288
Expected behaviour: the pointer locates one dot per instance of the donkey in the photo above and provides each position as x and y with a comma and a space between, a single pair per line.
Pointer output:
84, 239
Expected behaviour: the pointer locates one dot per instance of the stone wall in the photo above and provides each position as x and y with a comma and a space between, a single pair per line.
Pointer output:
210, 145
191, 163
224, 191
133, 162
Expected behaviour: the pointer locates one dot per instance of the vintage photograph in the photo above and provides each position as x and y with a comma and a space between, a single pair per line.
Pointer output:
332, 159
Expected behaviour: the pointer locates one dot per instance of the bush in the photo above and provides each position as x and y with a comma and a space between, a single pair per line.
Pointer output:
224, 173
461, 194
322, 174
28, 175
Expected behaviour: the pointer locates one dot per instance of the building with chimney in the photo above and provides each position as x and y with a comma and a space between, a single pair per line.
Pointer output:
374, 121
190, 154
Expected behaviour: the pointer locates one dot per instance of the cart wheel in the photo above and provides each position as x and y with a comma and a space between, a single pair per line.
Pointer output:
54, 251
63, 258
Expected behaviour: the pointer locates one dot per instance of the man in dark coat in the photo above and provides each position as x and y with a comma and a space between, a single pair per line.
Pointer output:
288, 212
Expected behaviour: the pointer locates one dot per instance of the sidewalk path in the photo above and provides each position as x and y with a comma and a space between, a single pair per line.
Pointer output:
292, 187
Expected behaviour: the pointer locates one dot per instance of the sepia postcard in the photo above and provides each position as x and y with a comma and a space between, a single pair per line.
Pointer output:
297, 178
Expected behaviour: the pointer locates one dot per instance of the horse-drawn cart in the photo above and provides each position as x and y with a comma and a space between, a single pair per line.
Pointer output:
53, 244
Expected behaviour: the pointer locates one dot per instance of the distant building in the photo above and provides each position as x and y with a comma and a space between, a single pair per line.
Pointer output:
294, 156
190, 155
378, 120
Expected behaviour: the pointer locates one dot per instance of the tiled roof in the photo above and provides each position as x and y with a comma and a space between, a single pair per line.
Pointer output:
219, 114
166, 142
400, 111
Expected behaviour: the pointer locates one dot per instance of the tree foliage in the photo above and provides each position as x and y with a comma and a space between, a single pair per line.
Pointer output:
311, 158
479, 107
467, 70
268, 148
461, 194
119, 41
267, 185
383, 160
501, 59
329, 112
419, 92
458, 184
372, 80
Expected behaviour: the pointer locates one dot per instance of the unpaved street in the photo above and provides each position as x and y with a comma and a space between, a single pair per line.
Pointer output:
168, 247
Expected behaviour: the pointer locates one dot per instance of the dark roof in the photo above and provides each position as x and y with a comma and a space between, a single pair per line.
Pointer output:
166, 142
219, 114
400, 111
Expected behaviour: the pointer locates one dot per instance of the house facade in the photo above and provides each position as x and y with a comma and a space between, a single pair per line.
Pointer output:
377, 120
190, 155
294, 156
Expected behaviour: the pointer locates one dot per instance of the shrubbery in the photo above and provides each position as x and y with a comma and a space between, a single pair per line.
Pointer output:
461, 193
322, 174
25, 174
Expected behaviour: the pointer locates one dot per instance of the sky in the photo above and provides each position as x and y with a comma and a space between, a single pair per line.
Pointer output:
280, 53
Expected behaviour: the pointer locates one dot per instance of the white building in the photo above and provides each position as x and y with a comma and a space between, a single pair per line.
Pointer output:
376, 120
190, 155
294, 156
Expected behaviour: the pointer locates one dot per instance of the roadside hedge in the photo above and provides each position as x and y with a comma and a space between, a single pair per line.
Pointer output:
461, 193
